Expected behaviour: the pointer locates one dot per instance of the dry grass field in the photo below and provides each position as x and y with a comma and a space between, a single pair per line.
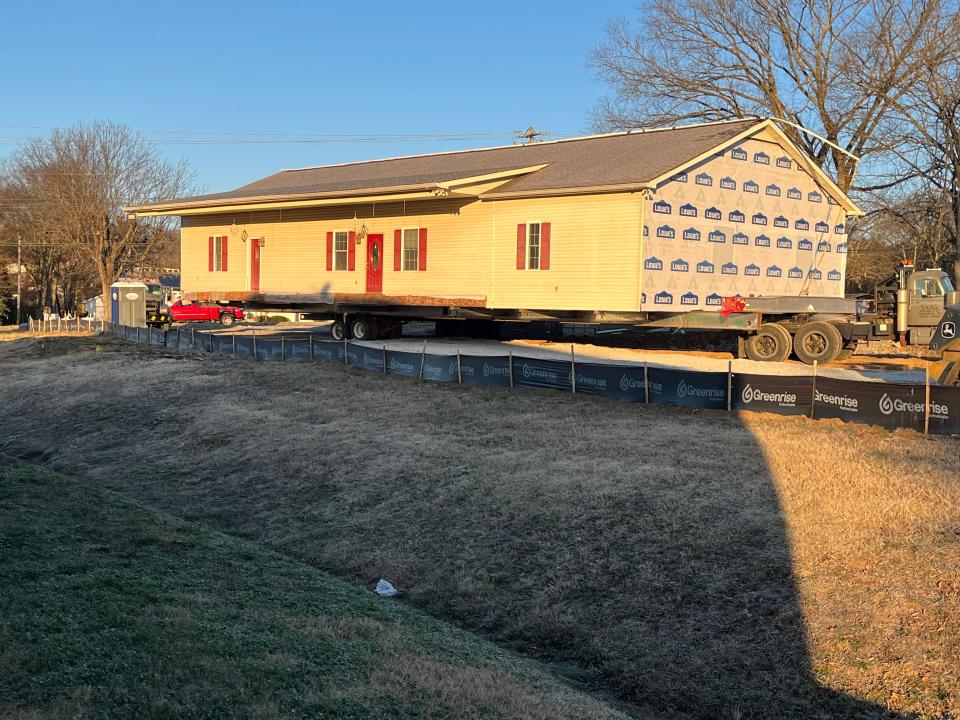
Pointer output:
689, 564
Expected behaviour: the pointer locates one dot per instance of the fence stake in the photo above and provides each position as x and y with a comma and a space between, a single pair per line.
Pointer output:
233, 336
254, 333
573, 371
310, 345
283, 349
459, 374
30, 323
345, 363
511, 368
384, 359
138, 333
423, 358
813, 390
926, 402
193, 338
646, 385
729, 383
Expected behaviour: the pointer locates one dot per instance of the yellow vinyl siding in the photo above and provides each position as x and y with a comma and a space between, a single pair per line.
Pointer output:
594, 247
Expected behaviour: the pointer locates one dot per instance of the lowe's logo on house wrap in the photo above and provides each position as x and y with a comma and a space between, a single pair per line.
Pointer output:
705, 267
781, 222
774, 271
736, 216
717, 237
804, 245
704, 179
646, 231
783, 399
784, 243
713, 299
688, 210
738, 154
689, 299
784, 162
712, 213
814, 196
823, 246
665, 231
752, 269
773, 190
751, 187
653, 263
888, 406
740, 239
761, 241
680, 177
728, 183
840, 229
794, 272
801, 224
822, 227
663, 298
841, 247
833, 275
815, 274
831, 201
685, 390
761, 158
691, 234
728, 269
794, 194
844, 402
759, 219
680, 265
662, 207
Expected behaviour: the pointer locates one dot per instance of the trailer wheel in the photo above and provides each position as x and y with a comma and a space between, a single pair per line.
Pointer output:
817, 341
338, 330
771, 343
364, 327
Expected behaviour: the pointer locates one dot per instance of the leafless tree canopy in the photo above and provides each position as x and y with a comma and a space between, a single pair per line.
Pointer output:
839, 68
65, 195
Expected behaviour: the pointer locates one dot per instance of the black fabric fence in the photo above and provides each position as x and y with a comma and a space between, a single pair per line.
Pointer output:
925, 408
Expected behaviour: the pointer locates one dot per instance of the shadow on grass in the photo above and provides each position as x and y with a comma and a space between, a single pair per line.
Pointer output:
641, 551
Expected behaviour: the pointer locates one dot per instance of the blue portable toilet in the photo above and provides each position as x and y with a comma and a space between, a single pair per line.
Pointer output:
128, 303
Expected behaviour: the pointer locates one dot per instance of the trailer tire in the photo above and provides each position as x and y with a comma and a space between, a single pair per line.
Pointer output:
771, 343
338, 330
363, 327
817, 341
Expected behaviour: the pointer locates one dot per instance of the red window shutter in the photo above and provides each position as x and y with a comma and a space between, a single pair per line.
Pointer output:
521, 246
223, 253
422, 257
210, 254
544, 246
397, 249
329, 251
351, 250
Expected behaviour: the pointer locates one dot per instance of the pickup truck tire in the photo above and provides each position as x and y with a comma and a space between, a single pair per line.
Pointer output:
771, 343
227, 319
818, 341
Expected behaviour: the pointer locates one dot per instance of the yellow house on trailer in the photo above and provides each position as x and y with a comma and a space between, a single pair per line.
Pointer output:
616, 225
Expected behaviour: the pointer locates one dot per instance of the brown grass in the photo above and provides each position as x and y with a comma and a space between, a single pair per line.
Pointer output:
693, 564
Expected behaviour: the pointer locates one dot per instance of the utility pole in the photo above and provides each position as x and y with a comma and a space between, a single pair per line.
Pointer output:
18, 279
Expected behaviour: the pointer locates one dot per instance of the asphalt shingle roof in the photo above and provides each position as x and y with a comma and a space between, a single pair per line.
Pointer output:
620, 159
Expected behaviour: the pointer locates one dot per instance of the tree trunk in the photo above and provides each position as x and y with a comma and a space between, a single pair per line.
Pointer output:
105, 283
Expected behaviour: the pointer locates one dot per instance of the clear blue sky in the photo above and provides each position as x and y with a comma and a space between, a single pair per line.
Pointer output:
312, 68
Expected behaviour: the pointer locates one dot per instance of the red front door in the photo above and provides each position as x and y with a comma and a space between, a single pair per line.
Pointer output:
374, 263
255, 265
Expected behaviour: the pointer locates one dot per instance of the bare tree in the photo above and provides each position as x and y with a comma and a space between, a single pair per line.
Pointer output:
836, 67
75, 183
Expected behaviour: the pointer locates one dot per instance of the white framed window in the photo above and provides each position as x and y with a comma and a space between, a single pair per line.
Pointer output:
410, 249
340, 250
533, 246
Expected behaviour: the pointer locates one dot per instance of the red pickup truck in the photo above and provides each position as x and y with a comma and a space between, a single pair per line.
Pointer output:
188, 311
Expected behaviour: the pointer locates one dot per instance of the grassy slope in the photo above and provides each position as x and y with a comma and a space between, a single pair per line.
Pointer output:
110, 609
700, 564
